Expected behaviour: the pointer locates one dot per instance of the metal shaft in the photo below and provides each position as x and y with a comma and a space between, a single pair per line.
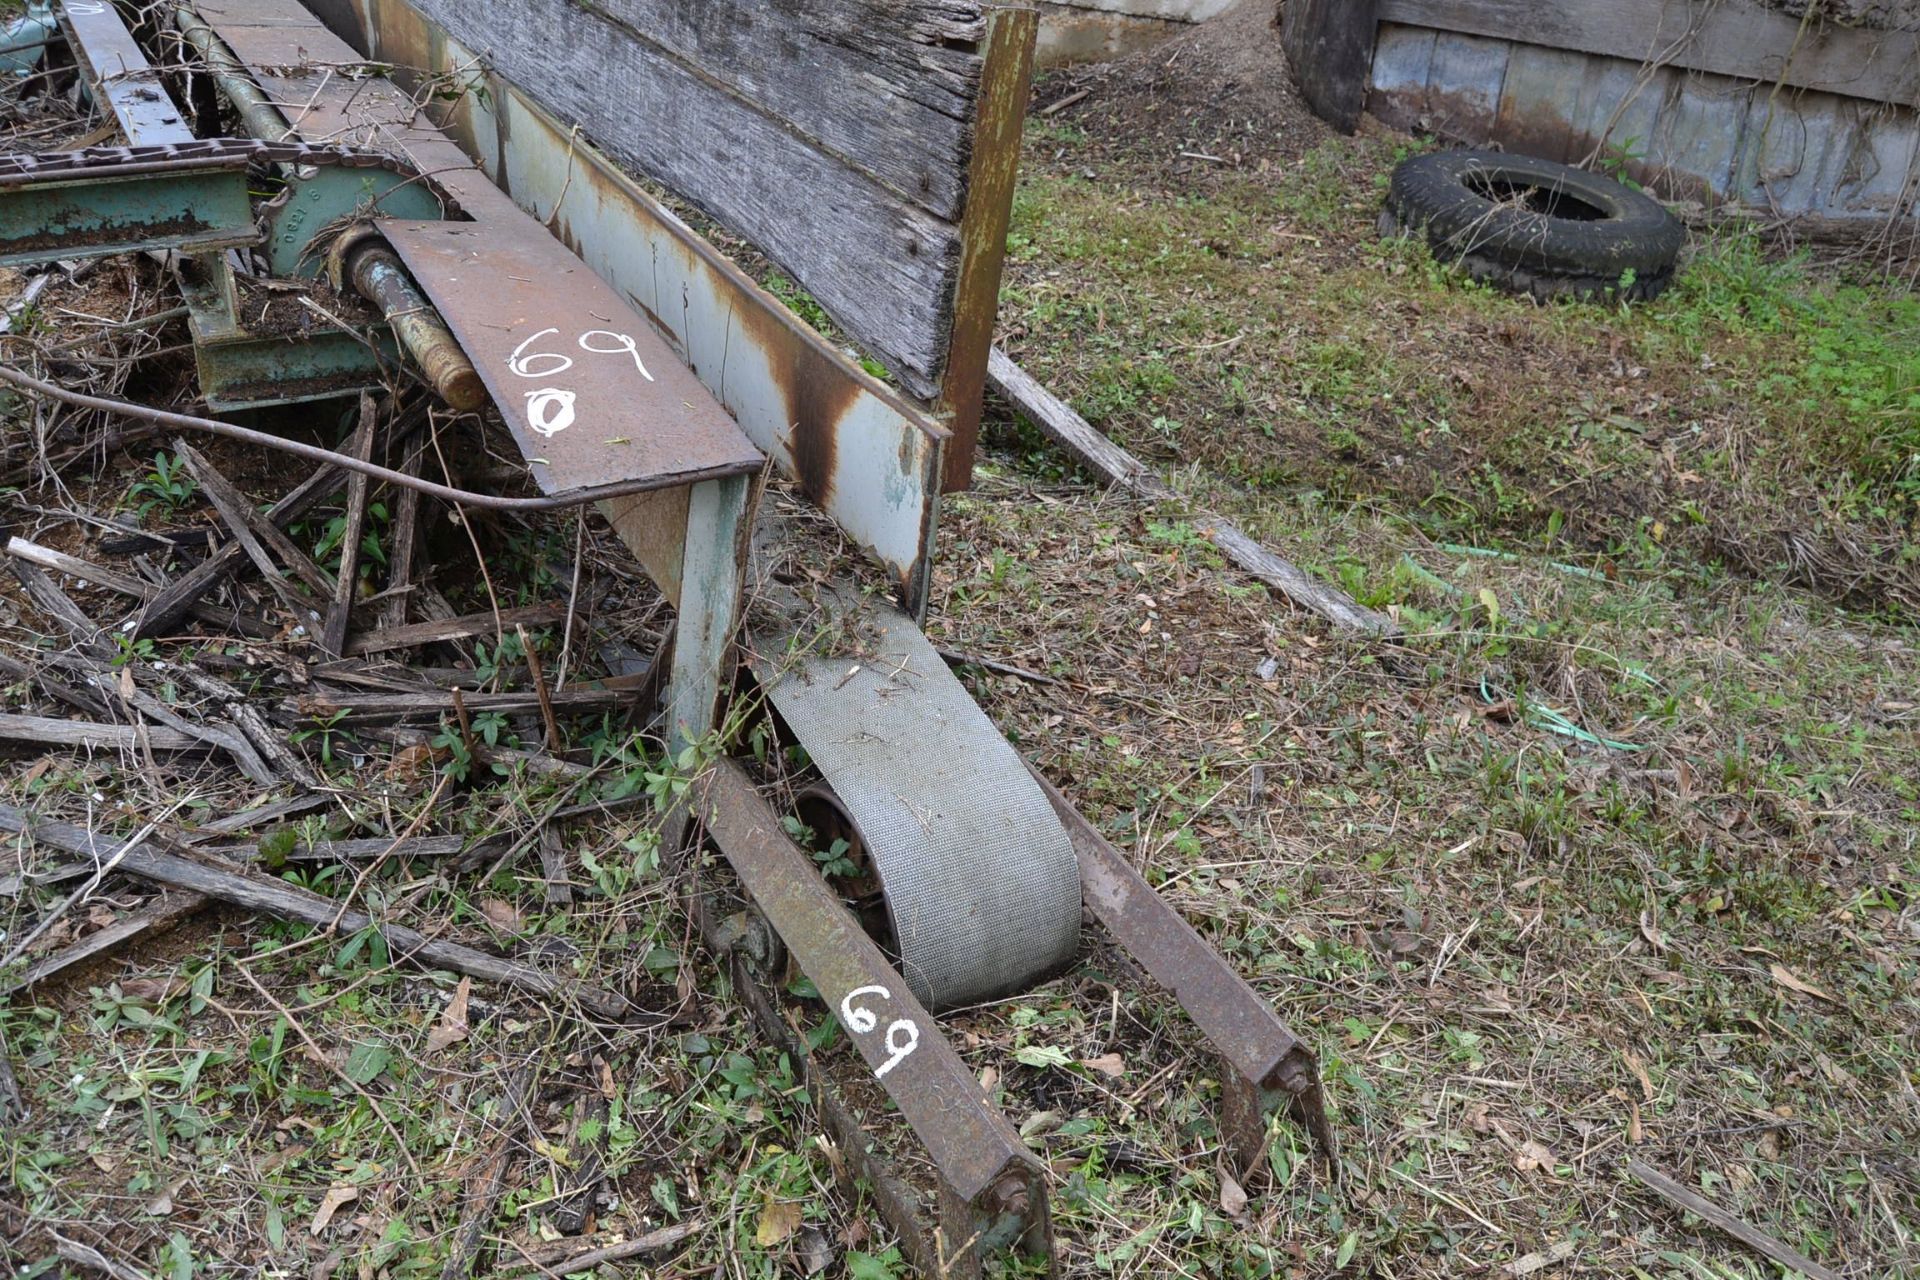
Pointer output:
375, 272
379, 278
261, 118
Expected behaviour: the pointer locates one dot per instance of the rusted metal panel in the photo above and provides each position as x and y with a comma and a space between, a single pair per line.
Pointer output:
855, 450
989, 1180
1270, 1064
592, 396
1464, 83
1698, 138
1880, 164
120, 75
858, 451
1788, 136
1746, 39
1623, 105
1687, 134
1540, 100
1402, 65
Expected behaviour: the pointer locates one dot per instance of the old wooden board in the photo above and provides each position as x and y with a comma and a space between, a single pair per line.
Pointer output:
884, 265
1741, 38
591, 393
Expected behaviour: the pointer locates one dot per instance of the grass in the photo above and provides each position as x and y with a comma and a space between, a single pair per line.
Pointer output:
1254, 325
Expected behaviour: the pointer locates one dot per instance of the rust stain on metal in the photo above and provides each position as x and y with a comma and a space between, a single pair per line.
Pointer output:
591, 393
818, 397
994, 166
992, 1190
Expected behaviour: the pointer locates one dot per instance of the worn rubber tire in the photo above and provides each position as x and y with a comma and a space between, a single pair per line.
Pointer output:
1453, 198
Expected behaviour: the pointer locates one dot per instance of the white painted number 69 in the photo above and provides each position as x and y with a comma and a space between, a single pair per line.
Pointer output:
903, 1037
524, 365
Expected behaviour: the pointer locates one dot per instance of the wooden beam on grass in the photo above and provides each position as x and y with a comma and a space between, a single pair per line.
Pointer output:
1747, 1234
276, 897
1057, 420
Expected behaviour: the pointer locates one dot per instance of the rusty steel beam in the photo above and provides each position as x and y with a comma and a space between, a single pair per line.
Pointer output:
1264, 1064
1006, 84
992, 1195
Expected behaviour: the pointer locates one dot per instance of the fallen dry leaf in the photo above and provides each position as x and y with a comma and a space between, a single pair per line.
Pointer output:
500, 914
338, 1194
1233, 1197
1639, 1070
452, 1027
1786, 978
779, 1219
1531, 1155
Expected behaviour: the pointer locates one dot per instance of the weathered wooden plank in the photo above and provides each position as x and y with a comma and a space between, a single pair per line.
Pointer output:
46, 731
1741, 38
1464, 85
1005, 87
1329, 45
887, 89
880, 265
1402, 64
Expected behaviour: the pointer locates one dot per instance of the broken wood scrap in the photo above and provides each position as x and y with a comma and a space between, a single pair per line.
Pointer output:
222, 737
333, 632
126, 585
88, 636
177, 599
1293, 582
263, 815
233, 508
560, 1261
553, 867
49, 732
399, 706
1058, 421
82, 699
550, 727
358, 849
406, 533
258, 536
483, 1194
149, 921
276, 897
586, 1163
1746, 1233
465, 626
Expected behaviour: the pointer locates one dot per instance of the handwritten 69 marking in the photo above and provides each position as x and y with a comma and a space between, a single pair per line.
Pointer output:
903, 1036
551, 410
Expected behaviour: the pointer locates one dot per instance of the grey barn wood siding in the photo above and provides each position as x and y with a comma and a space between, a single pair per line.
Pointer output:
835, 135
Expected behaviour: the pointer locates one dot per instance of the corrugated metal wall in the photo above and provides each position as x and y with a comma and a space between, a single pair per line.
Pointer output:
1689, 134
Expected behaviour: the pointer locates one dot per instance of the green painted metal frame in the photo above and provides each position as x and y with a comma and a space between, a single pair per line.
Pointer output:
195, 211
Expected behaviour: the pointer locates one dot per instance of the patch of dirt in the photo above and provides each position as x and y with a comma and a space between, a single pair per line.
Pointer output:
1219, 94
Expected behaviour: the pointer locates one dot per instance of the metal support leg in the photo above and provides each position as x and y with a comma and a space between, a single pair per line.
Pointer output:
708, 607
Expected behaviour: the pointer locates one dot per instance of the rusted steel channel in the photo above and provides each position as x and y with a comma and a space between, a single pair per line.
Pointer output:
992, 1193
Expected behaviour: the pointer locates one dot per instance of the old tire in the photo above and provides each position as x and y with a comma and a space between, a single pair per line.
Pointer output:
1536, 227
